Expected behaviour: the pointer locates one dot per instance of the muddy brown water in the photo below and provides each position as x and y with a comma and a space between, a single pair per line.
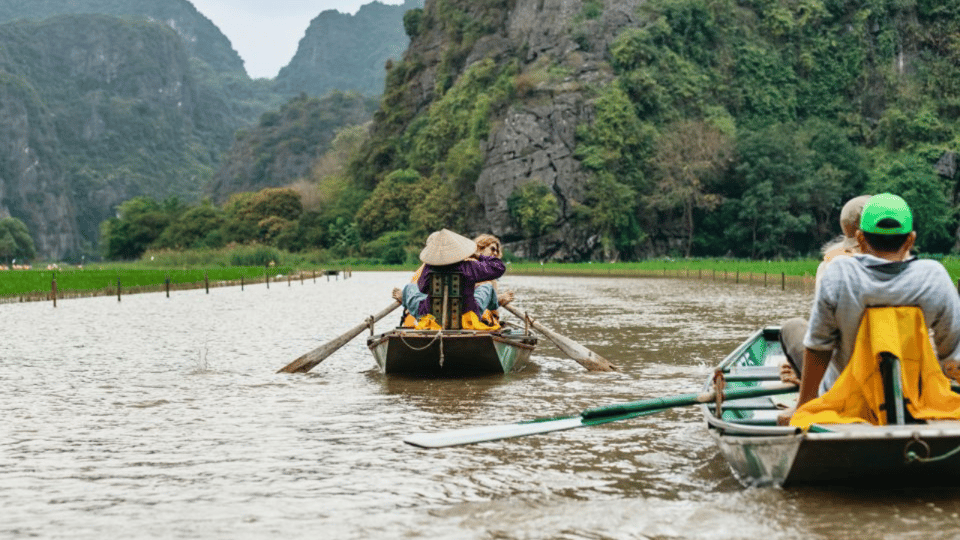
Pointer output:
163, 418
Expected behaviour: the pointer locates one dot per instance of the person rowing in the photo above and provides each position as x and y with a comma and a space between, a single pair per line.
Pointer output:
445, 252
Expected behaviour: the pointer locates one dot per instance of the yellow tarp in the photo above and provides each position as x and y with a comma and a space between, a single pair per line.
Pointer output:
858, 393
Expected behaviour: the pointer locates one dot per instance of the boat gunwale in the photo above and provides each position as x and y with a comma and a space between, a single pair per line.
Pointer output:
731, 428
519, 341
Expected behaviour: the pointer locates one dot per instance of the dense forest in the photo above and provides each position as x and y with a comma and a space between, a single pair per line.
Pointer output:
726, 128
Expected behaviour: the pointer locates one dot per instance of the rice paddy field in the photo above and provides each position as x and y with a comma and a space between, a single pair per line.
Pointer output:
89, 279
135, 275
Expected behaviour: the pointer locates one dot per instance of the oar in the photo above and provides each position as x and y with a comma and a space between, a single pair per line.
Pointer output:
589, 417
584, 356
310, 360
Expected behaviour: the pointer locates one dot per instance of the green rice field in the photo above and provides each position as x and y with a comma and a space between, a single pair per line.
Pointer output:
135, 275
17, 282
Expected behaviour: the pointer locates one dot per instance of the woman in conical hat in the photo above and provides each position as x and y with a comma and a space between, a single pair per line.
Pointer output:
447, 251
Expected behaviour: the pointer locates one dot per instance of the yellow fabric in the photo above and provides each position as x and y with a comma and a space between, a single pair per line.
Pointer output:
468, 321
858, 393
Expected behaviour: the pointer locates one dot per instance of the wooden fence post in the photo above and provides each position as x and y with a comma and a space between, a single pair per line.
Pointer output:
783, 281
241, 282
266, 275
206, 282
53, 289
118, 288
166, 282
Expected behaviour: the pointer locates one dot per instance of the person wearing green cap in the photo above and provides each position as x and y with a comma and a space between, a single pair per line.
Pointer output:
883, 274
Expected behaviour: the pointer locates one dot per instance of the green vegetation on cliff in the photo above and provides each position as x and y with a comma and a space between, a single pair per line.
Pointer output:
796, 107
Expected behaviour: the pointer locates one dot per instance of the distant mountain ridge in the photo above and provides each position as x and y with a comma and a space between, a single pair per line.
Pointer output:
201, 37
347, 52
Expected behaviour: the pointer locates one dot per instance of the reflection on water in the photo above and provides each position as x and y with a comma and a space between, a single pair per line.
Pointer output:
156, 417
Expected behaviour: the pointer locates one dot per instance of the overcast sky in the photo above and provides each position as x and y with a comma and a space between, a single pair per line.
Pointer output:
266, 32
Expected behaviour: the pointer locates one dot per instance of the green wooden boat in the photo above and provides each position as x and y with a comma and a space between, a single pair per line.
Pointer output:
762, 453
451, 352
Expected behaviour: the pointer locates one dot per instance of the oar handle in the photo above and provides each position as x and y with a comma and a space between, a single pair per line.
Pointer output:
657, 404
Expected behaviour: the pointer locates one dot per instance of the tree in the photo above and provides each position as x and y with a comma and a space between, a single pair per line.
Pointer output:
15, 240
535, 210
197, 227
914, 179
139, 222
388, 208
611, 207
689, 155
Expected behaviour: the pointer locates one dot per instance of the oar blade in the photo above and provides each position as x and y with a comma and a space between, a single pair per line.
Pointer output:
310, 360
491, 433
582, 355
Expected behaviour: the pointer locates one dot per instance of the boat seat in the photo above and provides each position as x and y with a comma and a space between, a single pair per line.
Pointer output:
446, 299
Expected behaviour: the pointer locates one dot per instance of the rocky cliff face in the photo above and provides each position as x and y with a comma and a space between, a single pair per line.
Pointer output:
347, 52
94, 111
534, 140
33, 188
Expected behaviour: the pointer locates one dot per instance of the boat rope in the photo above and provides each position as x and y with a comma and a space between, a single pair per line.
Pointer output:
911, 456
425, 347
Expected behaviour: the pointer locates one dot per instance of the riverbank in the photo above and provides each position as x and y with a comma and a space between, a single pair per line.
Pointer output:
103, 279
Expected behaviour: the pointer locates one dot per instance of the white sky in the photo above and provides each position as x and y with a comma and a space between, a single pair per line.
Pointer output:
266, 32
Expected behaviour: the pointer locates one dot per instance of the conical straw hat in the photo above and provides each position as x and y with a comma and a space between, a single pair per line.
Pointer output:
447, 247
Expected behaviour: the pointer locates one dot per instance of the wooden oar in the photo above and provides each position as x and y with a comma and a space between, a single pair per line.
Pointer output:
584, 356
589, 417
310, 360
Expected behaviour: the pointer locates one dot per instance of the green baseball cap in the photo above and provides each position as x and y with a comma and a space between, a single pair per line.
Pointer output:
886, 214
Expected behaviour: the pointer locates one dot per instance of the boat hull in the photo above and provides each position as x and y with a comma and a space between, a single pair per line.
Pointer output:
761, 453
450, 352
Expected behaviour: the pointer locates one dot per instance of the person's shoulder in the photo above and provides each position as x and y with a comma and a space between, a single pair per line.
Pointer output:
928, 265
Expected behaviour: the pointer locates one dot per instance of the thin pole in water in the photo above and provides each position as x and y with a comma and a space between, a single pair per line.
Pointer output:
53, 289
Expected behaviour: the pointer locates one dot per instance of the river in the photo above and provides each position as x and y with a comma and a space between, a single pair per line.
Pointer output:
161, 417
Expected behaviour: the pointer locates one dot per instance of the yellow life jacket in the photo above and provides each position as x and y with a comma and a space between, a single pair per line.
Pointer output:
858, 395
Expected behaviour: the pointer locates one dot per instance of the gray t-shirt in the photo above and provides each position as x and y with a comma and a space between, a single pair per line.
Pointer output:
852, 284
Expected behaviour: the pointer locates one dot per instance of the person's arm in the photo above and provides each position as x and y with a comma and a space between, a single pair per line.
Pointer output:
483, 269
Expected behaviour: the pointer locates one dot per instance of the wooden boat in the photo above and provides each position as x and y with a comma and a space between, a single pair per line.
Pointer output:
451, 352
762, 453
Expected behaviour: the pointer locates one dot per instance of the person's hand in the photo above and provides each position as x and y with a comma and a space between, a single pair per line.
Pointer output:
788, 375
505, 298
783, 419
397, 295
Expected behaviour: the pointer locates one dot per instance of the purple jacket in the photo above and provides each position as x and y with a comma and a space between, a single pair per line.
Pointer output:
474, 271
